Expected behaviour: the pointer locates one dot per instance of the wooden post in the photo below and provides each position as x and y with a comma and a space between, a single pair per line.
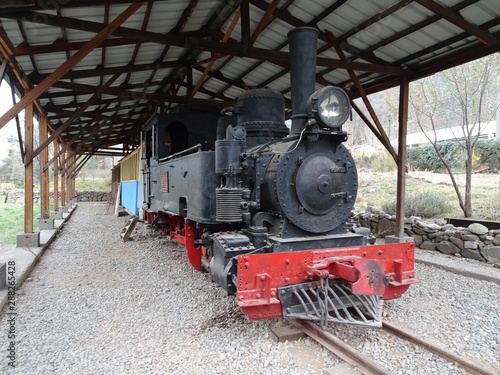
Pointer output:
401, 159
45, 200
70, 179
28, 170
63, 180
56, 177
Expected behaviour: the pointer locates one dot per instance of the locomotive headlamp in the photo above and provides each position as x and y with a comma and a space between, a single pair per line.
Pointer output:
329, 106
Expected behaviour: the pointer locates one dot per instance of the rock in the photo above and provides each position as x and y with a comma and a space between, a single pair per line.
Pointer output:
447, 247
266, 348
362, 230
470, 245
470, 237
477, 228
418, 231
472, 254
457, 242
418, 240
491, 253
428, 227
496, 240
427, 245
446, 227
386, 227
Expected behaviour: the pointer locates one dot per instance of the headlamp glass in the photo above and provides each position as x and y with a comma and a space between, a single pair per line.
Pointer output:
330, 107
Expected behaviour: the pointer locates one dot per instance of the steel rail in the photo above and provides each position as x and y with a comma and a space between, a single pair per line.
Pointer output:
340, 348
445, 353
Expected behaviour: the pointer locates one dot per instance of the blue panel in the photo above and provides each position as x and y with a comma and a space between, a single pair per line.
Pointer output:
130, 196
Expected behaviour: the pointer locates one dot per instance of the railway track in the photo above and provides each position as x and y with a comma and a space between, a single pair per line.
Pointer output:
367, 366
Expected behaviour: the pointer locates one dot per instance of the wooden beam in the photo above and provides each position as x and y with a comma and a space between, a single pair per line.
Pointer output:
277, 57
386, 142
56, 133
101, 71
401, 160
63, 46
126, 94
44, 133
3, 70
33, 95
367, 121
210, 64
93, 132
459, 21
6, 49
28, 170
264, 21
83, 162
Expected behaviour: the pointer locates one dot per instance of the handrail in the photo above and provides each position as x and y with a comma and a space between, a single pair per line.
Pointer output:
183, 152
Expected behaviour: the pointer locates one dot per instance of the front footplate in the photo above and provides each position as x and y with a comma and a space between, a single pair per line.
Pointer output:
357, 277
331, 302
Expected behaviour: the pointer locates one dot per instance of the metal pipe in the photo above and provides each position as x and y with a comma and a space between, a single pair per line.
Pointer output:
303, 48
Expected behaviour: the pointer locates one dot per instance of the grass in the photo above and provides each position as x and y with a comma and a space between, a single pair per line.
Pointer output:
12, 220
12, 214
379, 189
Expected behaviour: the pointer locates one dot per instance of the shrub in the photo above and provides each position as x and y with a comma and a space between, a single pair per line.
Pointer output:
425, 158
489, 153
424, 204
382, 162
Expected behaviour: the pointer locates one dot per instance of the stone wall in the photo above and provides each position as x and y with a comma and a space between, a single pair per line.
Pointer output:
93, 196
475, 241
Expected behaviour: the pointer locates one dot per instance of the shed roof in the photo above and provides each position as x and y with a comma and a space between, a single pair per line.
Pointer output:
206, 52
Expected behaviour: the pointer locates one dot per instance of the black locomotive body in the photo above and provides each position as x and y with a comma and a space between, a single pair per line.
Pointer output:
264, 209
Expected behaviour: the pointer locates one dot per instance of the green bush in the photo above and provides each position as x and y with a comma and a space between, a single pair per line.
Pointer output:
425, 158
424, 204
488, 151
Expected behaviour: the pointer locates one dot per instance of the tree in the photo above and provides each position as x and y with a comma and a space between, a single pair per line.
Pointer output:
11, 168
463, 98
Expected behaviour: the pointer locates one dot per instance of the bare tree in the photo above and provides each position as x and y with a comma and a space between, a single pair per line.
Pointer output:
465, 97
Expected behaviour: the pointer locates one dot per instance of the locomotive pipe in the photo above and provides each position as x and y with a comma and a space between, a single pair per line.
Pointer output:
303, 48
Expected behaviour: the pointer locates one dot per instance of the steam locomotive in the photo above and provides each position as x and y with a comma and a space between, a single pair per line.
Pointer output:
264, 209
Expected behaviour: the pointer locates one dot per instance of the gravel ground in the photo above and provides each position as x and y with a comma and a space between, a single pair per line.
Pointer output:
460, 313
96, 305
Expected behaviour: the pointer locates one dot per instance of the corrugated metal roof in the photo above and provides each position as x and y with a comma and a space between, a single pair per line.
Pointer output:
186, 36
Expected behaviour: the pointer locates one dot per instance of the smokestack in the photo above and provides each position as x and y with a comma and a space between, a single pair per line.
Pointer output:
303, 48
